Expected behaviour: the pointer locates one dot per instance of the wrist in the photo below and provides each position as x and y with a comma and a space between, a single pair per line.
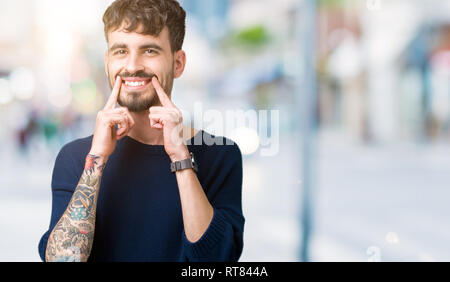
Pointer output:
184, 164
100, 158
94, 164
181, 154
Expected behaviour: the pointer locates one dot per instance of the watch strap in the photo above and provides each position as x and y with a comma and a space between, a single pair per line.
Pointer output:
183, 164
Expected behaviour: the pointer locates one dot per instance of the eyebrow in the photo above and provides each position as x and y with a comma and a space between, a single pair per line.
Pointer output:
118, 46
151, 46
146, 46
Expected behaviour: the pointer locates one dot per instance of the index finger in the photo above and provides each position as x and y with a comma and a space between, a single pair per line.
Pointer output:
165, 101
112, 100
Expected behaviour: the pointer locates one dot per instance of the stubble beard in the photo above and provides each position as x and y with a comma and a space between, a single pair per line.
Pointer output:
140, 101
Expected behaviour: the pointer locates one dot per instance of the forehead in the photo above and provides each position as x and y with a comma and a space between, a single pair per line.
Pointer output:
135, 38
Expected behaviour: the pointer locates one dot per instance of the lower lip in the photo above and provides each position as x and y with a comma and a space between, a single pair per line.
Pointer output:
140, 87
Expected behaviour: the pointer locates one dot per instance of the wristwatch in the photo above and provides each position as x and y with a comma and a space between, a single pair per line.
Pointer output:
183, 164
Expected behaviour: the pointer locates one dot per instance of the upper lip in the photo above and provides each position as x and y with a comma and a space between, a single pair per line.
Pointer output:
136, 78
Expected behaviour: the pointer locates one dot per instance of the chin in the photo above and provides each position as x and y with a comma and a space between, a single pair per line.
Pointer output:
137, 105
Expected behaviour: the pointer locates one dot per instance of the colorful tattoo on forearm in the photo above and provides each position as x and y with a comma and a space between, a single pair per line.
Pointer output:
73, 235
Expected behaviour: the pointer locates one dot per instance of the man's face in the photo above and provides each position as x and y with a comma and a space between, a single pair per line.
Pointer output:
136, 58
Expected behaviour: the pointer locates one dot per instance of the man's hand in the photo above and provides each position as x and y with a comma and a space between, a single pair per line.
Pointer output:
196, 209
105, 135
169, 119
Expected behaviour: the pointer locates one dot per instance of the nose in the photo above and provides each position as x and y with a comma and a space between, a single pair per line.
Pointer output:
134, 64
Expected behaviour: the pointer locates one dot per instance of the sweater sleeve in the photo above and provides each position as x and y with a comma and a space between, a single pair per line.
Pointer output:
223, 239
65, 177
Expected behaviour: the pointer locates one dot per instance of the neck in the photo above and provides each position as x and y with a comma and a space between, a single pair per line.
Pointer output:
143, 132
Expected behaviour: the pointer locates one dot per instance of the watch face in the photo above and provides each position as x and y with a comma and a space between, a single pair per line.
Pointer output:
194, 165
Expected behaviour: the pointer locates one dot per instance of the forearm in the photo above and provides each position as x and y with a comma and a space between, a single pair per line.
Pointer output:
73, 235
197, 211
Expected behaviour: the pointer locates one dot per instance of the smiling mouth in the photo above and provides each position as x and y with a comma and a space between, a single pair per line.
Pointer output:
136, 83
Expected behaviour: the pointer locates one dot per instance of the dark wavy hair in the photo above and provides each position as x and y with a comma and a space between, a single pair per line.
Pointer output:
154, 15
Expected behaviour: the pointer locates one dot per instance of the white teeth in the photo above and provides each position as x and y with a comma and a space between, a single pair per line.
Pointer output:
134, 83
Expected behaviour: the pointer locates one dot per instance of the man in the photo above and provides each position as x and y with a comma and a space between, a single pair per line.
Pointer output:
136, 190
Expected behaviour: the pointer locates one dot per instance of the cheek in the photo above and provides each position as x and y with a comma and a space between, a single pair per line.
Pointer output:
114, 68
159, 66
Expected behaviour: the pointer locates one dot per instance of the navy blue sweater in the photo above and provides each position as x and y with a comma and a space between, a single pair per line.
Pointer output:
139, 215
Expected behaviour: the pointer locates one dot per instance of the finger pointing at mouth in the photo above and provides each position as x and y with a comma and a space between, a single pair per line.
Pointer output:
165, 100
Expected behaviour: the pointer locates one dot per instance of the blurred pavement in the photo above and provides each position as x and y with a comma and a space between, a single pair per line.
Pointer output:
391, 199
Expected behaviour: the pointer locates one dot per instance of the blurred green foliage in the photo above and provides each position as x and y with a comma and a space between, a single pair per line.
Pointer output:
334, 3
255, 36
248, 38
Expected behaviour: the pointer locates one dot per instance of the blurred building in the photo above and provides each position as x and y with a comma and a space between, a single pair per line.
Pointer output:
383, 73
376, 67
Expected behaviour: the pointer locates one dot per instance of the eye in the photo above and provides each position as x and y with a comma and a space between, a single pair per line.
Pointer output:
150, 51
120, 52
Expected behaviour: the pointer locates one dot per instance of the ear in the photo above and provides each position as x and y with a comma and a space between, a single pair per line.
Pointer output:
179, 61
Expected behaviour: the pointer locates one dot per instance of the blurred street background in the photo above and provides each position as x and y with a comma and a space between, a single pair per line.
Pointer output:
362, 89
